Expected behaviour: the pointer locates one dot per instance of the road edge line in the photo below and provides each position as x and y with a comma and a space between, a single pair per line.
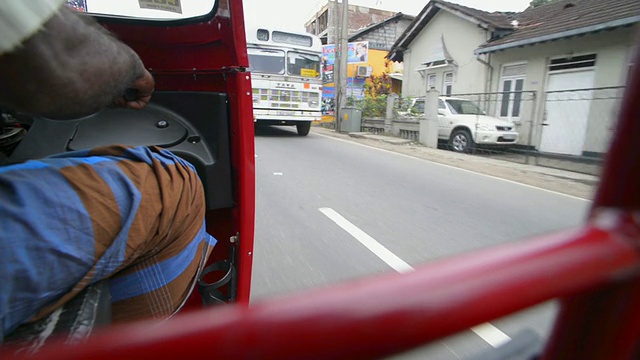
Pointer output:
454, 167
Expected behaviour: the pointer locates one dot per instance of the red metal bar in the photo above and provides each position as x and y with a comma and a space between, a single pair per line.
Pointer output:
239, 37
242, 151
385, 315
606, 324
621, 176
225, 223
594, 271
243, 159
610, 330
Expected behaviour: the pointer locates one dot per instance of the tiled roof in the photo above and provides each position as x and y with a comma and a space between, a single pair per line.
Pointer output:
558, 19
496, 19
563, 16
370, 28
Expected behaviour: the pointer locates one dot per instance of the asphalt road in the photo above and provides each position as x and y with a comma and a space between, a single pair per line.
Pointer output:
419, 211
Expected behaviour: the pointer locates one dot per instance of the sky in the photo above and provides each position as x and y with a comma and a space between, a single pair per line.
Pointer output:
293, 14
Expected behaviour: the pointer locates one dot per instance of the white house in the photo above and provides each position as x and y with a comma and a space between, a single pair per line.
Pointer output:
575, 55
557, 70
438, 49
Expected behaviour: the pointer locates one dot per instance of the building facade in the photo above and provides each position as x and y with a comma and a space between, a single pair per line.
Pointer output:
323, 23
557, 71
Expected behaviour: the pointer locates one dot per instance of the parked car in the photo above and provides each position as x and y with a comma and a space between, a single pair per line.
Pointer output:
464, 125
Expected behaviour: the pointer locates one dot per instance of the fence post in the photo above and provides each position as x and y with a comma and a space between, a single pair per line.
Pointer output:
429, 126
531, 121
388, 119
539, 108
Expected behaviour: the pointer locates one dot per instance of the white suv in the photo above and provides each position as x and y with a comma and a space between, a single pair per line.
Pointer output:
464, 125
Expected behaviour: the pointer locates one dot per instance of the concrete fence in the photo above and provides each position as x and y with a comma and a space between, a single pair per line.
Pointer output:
557, 129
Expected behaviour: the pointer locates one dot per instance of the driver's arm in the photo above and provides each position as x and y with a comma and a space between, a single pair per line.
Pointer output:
55, 64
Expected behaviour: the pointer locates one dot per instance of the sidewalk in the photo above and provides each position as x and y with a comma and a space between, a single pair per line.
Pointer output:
562, 181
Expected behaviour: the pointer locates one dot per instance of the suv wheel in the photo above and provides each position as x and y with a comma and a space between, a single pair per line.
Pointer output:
461, 141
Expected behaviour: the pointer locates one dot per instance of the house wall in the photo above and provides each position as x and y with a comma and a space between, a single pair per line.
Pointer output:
612, 49
377, 61
461, 38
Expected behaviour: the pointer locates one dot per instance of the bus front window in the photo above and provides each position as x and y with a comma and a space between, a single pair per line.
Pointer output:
266, 61
304, 65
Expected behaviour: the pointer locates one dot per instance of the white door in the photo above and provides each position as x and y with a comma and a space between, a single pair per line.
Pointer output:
444, 124
567, 112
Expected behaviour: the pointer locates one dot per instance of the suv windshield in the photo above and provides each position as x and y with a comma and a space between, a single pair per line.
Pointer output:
304, 65
266, 61
464, 107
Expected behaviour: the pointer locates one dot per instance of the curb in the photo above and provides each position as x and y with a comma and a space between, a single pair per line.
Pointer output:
561, 181
387, 139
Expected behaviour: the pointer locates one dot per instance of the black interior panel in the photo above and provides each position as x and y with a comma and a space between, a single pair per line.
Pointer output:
193, 125
151, 127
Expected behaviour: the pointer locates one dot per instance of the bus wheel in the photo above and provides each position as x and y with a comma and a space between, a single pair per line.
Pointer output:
303, 128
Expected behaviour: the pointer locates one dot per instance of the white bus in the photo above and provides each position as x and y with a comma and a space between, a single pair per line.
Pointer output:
286, 74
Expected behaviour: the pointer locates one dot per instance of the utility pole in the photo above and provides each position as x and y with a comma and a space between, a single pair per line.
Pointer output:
337, 21
344, 39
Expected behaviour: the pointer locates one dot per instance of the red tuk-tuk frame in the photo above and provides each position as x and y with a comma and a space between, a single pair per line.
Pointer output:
594, 272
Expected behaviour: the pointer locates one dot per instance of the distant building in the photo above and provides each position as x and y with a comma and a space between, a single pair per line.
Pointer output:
374, 41
381, 37
323, 22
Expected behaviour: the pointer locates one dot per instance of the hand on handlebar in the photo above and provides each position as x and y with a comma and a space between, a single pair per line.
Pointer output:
138, 95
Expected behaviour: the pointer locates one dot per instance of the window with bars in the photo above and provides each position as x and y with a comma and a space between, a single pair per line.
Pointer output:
573, 62
447, 84
431, 81
511, 87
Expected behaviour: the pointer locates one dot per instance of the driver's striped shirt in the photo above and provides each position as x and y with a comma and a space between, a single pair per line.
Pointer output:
134, 215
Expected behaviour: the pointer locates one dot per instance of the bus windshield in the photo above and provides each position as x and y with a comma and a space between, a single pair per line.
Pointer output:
266, 61
304, 65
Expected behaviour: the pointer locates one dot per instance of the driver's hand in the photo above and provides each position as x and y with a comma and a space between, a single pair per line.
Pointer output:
143, 88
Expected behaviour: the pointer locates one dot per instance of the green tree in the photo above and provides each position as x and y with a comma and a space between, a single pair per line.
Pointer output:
376, 90
378, 85
536, 3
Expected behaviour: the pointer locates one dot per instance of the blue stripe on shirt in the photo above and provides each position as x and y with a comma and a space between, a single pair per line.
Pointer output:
156, 276
31, 165
128, 198
46, 241
164, 156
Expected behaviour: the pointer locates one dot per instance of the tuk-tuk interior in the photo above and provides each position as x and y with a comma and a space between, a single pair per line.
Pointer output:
203, 96
200, 110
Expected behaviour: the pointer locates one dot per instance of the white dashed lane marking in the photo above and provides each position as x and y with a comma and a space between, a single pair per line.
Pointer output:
489, 333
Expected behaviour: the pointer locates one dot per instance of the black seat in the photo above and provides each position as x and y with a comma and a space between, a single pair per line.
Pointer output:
73, 322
